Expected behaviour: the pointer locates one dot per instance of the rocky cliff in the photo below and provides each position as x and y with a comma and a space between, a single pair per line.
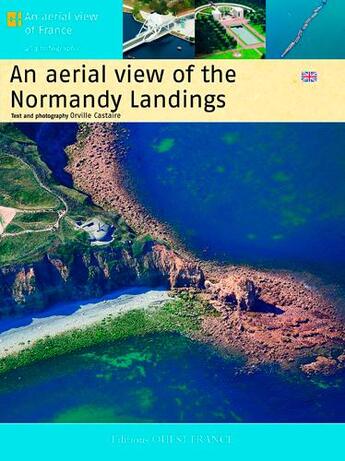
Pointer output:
269, 316
91, 274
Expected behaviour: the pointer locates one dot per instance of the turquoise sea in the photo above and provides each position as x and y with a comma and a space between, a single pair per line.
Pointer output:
323, 39
164, 378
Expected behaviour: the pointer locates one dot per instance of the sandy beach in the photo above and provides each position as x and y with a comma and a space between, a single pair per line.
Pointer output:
19, 333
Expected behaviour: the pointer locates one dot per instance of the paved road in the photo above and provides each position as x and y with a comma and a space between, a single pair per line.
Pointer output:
60, 214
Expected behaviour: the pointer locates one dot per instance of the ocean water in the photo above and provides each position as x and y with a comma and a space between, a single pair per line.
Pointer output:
163, 378
164, 48
51, 140
323, 39
270, 195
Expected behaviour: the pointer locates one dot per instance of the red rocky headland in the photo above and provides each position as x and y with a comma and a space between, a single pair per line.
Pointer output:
271, 317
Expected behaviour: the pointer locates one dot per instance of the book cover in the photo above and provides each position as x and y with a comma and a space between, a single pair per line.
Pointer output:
172, 229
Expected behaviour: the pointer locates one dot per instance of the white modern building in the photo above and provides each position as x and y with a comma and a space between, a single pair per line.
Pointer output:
237, 12
99, 232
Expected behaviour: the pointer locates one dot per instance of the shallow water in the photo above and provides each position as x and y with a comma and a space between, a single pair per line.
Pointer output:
163, 378
271, 195
264, 194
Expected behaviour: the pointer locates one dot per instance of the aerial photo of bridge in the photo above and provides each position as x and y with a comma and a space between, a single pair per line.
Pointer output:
161, 29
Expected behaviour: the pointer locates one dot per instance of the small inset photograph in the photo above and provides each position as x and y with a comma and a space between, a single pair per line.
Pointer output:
158, 29
306, 29
229, 30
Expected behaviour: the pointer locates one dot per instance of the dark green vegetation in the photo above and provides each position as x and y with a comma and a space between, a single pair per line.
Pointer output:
183, 314
257, 19
31, 221
18, 186
211, 36
245, 54
26, 184
215, 42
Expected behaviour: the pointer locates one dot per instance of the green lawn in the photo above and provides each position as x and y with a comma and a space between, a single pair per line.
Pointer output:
20, 189
258, 27
23, 248
32, 221
246, 54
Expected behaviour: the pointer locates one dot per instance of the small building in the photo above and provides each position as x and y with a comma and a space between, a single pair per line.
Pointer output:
99, 232
237, 12
233, 17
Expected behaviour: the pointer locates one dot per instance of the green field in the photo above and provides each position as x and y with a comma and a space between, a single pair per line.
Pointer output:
31, 221
24, 248
183, 314
20, 189
259, 28
245, 54
213, 41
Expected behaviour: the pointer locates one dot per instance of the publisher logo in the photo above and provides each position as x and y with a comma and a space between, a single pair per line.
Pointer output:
14, 19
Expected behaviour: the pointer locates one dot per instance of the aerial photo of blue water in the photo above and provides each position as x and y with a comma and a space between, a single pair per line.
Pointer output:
323, 38
269, 195
164, 378
52, 139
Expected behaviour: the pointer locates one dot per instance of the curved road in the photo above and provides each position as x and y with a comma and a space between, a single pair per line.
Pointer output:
61, 213
221, 4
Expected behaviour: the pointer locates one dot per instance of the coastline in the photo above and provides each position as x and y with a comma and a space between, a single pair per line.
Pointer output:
108, 185
182, 314
282, 320
17, 334
265, 315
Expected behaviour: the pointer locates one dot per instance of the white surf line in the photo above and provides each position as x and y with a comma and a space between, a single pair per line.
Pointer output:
54, 321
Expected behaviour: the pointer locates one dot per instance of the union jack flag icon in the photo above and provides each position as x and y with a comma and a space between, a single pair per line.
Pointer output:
309, 77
